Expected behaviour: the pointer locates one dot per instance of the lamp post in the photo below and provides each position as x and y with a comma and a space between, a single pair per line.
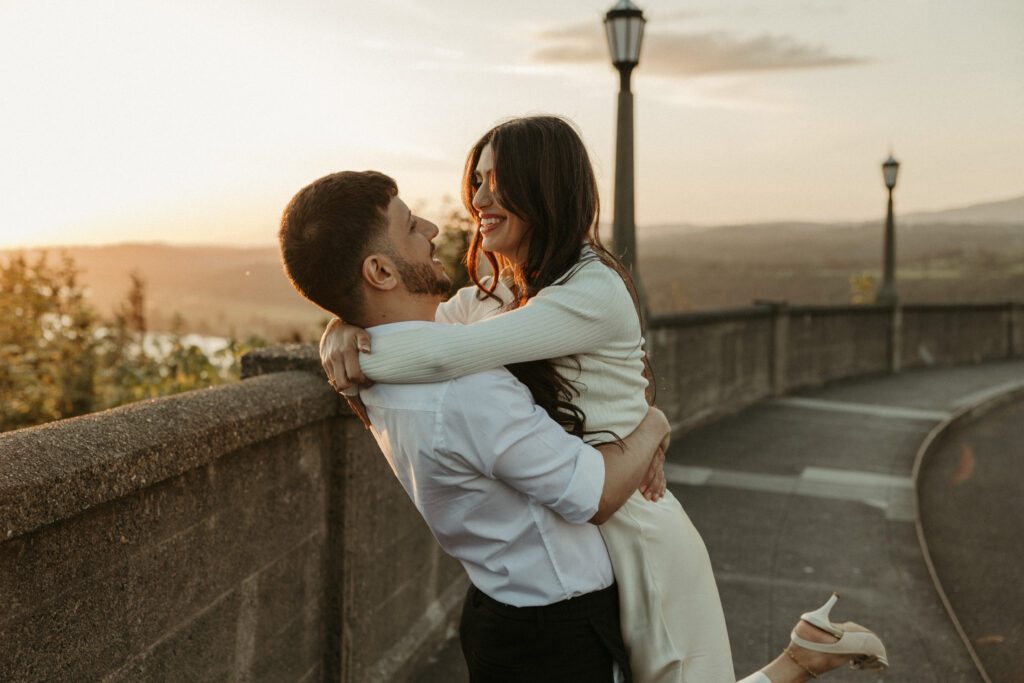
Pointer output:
624, 26
887, 294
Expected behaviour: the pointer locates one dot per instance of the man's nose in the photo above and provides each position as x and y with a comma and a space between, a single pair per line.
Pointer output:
432, 230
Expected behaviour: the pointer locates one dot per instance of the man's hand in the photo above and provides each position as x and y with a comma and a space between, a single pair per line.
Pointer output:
654, 483
339, 354
627, 462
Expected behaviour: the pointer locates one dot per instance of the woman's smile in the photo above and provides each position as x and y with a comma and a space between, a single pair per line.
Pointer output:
490, 222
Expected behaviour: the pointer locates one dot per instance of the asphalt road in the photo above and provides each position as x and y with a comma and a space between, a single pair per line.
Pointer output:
972, 513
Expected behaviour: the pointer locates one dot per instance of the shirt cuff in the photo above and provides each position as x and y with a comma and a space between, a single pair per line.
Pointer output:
583, 494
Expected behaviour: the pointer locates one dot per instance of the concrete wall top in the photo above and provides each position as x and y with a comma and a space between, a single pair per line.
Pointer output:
955, 307
58, 470
701, 317
767, 310
283, 358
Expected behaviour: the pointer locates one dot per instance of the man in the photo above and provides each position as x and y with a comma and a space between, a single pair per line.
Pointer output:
501, 485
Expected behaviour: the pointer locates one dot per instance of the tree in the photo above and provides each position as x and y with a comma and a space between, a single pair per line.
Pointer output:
58, 359
47, 342
453, 243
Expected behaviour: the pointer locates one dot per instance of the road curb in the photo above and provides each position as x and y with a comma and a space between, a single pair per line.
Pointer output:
963, 416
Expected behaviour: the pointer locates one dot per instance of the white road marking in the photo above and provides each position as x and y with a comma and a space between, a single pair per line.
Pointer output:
892, 494
893, 412
980, 396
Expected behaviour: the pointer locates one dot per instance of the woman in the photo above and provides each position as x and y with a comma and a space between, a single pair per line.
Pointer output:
563, 318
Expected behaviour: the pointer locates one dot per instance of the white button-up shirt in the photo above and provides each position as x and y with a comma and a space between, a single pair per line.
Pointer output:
501, 485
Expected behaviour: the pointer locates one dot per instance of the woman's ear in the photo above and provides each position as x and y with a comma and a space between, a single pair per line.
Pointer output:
379, 272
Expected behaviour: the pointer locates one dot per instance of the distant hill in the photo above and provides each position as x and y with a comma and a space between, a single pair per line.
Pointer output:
941, 256
817, 263
218, 290
1008, 211
1003, 212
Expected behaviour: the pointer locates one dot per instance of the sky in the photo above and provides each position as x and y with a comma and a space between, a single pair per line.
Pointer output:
195, 121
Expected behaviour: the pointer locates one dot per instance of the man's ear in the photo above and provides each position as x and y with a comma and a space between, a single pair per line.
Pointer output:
379, 272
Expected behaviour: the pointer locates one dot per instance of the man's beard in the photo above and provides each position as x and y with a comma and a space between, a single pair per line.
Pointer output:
420, 278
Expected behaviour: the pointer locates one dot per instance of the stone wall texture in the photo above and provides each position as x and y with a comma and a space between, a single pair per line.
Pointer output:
826, 344
709, 364
951, 334
249, 532
253, 532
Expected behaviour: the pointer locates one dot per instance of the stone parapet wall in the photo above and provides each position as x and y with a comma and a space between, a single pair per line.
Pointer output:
828, 343
710, 364
254, 532
959, 334
244, 532
706, 364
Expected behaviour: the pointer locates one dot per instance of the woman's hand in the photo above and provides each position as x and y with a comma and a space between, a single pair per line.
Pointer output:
339, 354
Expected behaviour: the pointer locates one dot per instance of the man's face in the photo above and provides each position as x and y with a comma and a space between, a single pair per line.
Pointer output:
411, 247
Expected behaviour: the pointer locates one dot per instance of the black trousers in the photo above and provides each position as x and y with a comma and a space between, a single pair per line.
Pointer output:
571, 641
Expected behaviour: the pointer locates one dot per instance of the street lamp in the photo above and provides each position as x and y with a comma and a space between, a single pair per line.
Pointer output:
887, 294
624, 25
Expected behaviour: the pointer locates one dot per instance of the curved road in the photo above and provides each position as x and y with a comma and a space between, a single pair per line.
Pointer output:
811, 493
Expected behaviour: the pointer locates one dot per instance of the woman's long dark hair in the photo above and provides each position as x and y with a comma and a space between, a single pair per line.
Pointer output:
542, 174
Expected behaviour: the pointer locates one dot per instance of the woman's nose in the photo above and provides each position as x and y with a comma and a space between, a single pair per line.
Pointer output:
482, 197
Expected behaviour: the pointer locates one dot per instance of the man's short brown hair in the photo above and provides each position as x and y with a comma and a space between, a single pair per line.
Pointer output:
327, 230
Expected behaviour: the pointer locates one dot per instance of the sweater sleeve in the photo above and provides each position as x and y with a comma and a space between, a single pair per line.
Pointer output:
466, 306
587, 312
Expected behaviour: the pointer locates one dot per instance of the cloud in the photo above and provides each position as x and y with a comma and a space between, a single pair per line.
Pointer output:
675, 15
676, 54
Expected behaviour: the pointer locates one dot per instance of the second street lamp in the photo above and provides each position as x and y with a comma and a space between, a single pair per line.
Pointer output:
887, 294
624, 25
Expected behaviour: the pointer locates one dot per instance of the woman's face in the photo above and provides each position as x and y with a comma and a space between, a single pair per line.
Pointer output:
503, 232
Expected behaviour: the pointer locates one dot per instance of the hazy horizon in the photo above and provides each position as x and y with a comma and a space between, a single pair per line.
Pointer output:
650, 230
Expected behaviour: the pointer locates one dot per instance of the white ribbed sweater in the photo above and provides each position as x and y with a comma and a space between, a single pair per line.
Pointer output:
590, 317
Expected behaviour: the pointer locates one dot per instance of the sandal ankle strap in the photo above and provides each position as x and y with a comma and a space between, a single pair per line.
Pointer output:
789, 653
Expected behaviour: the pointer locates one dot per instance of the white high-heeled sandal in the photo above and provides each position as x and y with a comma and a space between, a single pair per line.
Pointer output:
854, 639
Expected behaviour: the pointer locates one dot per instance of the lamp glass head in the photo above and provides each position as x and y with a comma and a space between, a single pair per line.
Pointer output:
889, 170
624, 26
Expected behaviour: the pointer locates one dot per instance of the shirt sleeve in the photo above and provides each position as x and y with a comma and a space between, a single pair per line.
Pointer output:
590, 310
490, 423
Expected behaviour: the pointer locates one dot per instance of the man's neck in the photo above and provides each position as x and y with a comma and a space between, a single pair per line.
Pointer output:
396, 310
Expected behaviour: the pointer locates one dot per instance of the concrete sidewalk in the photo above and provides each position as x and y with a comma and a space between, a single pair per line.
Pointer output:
808, 494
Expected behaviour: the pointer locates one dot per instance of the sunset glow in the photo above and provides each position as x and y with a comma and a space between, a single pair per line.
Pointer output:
195, 122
